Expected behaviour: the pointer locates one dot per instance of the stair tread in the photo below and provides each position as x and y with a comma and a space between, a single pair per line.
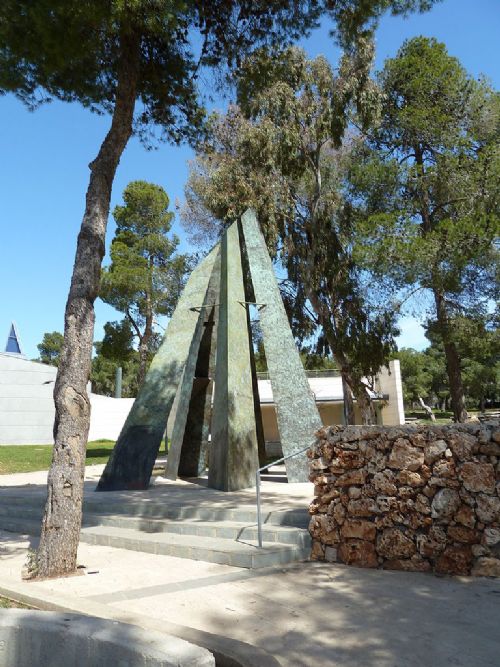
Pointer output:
213, 543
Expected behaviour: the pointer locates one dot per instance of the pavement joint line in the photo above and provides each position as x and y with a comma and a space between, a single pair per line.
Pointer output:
151, 591
227, 651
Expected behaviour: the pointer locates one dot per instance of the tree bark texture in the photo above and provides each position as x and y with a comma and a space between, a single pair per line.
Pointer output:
61, 522
450, 349
427, 408
349, 416
452, 362
358, 388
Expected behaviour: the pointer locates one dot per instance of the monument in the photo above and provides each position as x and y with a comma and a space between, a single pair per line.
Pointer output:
206, 359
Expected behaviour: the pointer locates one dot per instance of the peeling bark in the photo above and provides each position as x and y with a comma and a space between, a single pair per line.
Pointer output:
427, 408
61, 522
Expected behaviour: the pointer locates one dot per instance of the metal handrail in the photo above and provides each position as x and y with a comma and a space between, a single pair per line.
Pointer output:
257, 487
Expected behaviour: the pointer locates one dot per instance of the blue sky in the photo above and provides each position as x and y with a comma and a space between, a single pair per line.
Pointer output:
44, 172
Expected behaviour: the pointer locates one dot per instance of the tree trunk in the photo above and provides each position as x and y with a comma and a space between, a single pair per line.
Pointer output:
358, 388
61, 522
365, 404
450, 349
427, 408
144, 350
349, 417
452, 362
460, 413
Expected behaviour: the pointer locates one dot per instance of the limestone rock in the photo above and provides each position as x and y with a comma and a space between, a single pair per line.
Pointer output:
454, 560
387, 503
432, 544
383, 483
486, 567
339, 513
445, 469
408, 565
465, 516
404, 455
462, 445
351, 478
350, 459
409, 478
363, 507
324, 529
488, 508
444, 504
317, 551
359, 529
358, 553
478, 477
491, 536
393, 543
463, 535
434, 450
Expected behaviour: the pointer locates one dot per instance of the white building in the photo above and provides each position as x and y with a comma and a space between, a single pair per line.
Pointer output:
27, 407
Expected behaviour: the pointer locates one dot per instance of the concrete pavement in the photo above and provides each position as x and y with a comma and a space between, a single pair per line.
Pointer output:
303, 614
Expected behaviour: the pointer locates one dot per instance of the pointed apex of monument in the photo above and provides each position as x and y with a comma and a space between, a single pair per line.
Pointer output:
13, 345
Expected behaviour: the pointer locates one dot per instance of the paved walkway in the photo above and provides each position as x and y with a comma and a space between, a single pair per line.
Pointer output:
305, 614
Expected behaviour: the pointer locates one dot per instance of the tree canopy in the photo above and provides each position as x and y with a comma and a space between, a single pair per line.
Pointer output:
136, 60
281, 160
146, 275
50, 348
425, 183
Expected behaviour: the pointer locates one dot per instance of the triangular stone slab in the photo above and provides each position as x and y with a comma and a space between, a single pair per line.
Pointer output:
131, 462
233, 452
297, 414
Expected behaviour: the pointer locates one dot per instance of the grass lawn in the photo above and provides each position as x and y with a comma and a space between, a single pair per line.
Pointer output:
27, 458
5, 603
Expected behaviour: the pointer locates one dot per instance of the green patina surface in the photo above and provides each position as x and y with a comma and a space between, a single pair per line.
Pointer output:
192, 421
297, 414
233, 455
133, 457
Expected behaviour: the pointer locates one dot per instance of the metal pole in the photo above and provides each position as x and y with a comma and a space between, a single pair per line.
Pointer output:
118, 382
259, 517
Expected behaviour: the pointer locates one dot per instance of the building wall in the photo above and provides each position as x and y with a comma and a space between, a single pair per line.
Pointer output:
27, 405
389, 382
27, 408
26, 402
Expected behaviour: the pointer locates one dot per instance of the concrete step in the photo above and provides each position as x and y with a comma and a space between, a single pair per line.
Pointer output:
210, 549
298, 518
229, 530
237, 553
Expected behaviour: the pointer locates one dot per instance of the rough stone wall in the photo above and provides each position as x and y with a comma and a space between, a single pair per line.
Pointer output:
416, 498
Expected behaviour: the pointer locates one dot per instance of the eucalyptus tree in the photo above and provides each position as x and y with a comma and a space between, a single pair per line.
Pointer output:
426, 184
135, 60
277, 153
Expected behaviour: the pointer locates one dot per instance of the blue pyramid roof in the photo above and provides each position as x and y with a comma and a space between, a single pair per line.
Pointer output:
13, 345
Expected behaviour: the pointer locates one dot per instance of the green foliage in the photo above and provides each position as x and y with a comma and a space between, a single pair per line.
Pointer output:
424, 373
116, 349
424, 188
50, 348
145, 276
427, 178
280, 159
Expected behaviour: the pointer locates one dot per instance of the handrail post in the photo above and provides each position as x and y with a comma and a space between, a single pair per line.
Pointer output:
257, 488
259, 516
